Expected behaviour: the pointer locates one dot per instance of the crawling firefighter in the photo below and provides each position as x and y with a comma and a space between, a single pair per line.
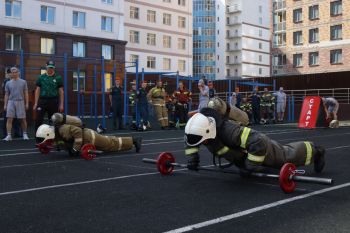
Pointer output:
244, 147
69, 134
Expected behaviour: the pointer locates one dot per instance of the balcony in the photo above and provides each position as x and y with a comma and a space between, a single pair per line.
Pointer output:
233, 9
279, 5
233, 63
279, 26
233, 36
233, 22
236, 49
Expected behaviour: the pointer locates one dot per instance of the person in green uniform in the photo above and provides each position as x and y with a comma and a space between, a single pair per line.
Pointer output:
48, 94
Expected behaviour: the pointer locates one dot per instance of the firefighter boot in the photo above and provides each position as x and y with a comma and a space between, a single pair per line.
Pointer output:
137, 141
319, 160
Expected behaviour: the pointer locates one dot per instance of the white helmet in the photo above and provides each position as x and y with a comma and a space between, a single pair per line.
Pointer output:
45, 132
199, 128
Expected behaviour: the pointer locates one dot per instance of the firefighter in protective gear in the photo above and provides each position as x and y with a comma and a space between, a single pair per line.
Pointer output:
132, 104
246, 148
182, 97
157, 97
68, 133
230, 112
247, 108
267, 104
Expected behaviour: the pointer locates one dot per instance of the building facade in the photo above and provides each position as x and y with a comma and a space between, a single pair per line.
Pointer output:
310, 37
159, 35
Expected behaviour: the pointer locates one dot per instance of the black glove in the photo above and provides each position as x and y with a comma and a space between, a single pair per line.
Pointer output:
73, 153
193, 163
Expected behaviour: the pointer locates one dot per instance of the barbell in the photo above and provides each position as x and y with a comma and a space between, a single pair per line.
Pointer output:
287, 176
88, 151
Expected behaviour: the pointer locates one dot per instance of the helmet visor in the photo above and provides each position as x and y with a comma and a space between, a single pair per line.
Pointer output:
193, 140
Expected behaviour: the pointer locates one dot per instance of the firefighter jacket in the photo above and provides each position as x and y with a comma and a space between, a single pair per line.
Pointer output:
246, 107
142, 96
157, 96
267, 100
132, 97
250, 149
182, 96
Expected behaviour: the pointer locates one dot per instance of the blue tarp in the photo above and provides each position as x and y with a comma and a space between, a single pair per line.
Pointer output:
253, 84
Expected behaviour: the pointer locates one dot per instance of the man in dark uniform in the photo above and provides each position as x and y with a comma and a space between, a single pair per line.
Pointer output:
68, 134
246, 148
211, 90
48, 94
255, 96
132, 104
116, 100
142, 104
182, 96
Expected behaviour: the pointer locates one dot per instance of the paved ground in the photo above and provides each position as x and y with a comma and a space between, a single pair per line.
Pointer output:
119, 193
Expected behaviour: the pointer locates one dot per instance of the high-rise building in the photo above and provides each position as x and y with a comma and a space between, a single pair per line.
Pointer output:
310, 37
231, 38
159, 35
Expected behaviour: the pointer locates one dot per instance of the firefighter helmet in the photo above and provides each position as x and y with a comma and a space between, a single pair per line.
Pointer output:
199, 128
45, 132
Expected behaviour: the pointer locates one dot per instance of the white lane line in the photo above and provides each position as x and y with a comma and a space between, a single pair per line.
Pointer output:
256, 209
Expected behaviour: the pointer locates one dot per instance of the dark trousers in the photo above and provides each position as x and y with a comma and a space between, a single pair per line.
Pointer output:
16, 127
132, 112
117, 115
256, 115
143, 108
49, 106
267, 113
181, 114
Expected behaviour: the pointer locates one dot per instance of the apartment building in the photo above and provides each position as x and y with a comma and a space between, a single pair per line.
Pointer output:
247, 39
310, 37
159, 35
49, 29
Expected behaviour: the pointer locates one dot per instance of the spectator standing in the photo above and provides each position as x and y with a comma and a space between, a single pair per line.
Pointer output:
48, 94
116, 101
281, 104
211, 89
255, 97
132, 104
16, 102
203, 94
236, 98
247, 108
143, 105
267, 104
182, 97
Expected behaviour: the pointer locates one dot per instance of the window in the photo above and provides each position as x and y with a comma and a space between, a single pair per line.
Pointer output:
260, 20
279, 60
336, 32
108, 81
166, 19
107, 51
13, 8
298, 60
298, 38
182, 65
260, 45
228, 72
134, 57
260, 58
260, 70
151, 39
151, 16
134, 12
336, 56
166, 64
106, 23
260, 9
47, 14
260, 33
168, 1
166, 41
298, 15
134, 37
81, 76
181, 22
151, 62
313, 35
182, 2
107, 1
279, 39
13, 42
47, 46
336, 8
78, 19
313, 12
79, 49
313, 58
181, 43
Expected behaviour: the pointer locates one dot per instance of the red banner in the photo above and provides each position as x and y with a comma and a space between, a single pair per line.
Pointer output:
309, 112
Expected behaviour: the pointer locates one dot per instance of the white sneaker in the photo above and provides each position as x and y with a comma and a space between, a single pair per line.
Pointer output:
8, 138
25, 136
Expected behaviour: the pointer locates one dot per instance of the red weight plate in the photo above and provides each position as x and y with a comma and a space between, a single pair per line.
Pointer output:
163, 163
84, 152
45, 147
286, 183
